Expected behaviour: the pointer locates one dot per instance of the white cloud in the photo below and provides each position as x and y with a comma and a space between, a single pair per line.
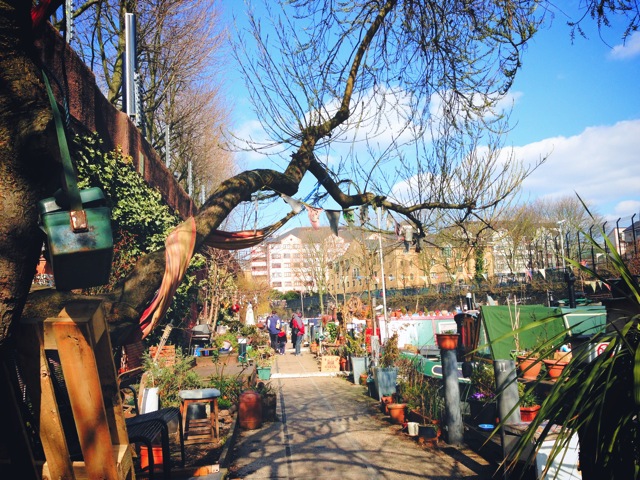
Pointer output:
600, 164
629, 49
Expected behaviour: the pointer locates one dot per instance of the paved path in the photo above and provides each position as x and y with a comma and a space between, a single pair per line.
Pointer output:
328, 428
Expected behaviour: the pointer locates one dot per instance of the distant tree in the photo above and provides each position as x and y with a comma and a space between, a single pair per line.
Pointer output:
182, 96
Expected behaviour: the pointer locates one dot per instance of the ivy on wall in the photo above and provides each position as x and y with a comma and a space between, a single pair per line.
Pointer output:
140, 219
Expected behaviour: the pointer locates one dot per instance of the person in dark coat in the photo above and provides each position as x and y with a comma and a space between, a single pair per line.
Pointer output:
273, 326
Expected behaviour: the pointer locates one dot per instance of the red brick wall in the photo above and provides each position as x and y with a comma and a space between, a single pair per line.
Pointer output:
91, 110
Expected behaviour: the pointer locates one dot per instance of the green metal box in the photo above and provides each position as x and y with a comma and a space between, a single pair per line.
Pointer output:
79, 259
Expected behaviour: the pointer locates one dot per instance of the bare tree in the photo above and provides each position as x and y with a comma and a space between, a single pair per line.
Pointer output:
390, 56
181, 93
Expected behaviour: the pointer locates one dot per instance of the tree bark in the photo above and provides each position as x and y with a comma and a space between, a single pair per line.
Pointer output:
28, 159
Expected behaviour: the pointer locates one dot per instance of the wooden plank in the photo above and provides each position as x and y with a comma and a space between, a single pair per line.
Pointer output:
73, 338
121, 455
109, 380
37, 377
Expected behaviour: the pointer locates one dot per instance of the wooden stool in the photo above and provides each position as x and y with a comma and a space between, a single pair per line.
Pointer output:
200, 430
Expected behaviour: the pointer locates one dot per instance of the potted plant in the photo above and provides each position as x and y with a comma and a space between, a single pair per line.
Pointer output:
386, 373
482, 402
529, 404
447, 340
269, 401
264, 362
358, 355
556, 364
529, 364
423, 396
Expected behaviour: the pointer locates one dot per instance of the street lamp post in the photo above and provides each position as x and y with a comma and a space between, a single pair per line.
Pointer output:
559, 223
384, 284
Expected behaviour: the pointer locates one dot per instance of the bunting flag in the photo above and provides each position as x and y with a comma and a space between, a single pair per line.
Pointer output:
397, 228
390, 222
295, 205
364, 214
543, 272
178, 251
408, 233
592, 284
349, 217
607, 285
334, 218
314, 216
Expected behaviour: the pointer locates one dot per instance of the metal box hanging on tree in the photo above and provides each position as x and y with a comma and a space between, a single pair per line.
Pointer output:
80, 242
77, 224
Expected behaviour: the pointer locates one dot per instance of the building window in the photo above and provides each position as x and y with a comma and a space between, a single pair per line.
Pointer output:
276, 284
286, 255
275, 265
276, 255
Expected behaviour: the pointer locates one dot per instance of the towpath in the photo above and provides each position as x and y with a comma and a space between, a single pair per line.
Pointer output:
328, 428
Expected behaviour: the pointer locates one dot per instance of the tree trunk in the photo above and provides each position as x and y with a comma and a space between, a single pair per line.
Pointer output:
28, 148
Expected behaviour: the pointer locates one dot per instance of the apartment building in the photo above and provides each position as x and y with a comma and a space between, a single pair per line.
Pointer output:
297, 259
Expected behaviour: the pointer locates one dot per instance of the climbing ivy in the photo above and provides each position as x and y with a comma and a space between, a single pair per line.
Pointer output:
136, 208
140, 220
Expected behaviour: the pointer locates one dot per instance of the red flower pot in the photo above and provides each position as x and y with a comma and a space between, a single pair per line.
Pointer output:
527, 414
447, 341
397, 412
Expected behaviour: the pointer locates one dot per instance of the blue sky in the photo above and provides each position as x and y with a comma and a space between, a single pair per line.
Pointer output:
580, 102
576, 101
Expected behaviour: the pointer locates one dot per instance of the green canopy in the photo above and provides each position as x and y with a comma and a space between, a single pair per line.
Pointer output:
500, 321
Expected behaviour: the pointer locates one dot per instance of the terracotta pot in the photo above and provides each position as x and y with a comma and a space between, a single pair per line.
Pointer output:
343, 364
447, 341
250, 410
529, 367
397, 412
384, 403
527, 414
555, 368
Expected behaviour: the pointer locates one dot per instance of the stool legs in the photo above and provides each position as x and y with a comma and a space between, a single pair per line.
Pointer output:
213, 417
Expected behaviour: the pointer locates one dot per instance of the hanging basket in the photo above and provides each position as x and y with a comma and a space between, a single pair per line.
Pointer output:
447, 341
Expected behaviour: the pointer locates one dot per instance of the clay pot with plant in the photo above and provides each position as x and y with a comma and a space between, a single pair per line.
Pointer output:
529, 404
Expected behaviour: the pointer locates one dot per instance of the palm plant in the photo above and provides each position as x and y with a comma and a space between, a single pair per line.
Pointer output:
597, 398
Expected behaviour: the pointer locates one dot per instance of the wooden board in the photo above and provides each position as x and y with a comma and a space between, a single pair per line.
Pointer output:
330, 363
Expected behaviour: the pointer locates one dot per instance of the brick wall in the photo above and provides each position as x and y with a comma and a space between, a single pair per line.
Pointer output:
91, 110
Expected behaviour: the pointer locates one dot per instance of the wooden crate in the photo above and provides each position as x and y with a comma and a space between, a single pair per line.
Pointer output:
166, 357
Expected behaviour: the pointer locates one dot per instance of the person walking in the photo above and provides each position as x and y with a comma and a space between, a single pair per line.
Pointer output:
297, 328
273, 326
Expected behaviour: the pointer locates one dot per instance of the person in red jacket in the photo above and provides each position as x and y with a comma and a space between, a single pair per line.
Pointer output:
297, 329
